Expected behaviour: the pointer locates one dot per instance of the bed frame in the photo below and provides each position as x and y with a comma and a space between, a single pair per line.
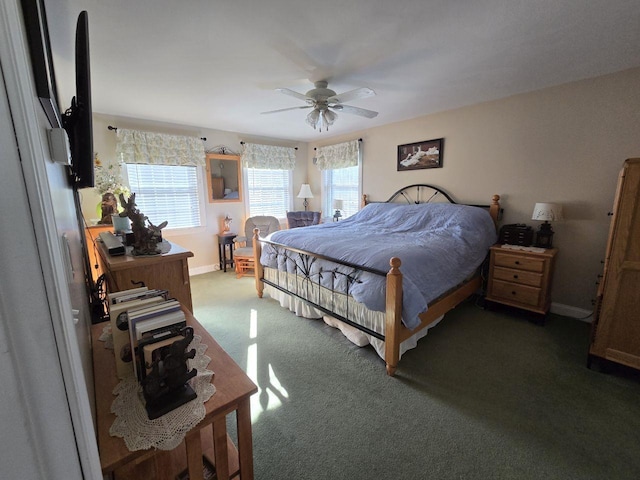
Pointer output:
395, 331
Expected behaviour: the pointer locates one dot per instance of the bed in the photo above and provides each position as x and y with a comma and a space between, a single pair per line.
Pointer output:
349, 272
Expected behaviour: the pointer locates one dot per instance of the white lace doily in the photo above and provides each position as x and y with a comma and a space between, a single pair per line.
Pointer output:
167, 431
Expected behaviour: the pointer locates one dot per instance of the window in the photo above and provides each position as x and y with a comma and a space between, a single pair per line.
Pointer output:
167, 193
268, 192
341, 184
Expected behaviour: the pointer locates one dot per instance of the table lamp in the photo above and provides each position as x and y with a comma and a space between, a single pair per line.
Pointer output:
305, 192
547, 212
337, 205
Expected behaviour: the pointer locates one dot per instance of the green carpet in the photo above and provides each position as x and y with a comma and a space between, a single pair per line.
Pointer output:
486, 395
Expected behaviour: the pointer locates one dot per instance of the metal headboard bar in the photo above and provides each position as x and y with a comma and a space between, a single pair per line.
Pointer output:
324, 257
437, 191
418, 186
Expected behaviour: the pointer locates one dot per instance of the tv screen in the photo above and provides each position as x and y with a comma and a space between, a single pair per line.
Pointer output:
77, 120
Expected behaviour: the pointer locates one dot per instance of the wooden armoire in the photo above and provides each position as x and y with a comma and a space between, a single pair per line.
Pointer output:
616, 324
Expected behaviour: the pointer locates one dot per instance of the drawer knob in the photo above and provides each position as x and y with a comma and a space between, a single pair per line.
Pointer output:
515, 276
513, 293
517, 262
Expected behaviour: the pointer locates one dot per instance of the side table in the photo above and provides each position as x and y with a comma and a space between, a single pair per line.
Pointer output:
521, 279
225, 242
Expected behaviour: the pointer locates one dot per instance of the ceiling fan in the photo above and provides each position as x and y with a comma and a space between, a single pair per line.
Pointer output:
325, 103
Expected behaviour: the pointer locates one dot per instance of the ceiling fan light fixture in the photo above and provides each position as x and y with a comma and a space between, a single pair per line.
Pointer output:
322, 98
313, 117
329, 117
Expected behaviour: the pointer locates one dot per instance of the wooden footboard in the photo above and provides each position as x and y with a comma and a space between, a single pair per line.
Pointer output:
395, 331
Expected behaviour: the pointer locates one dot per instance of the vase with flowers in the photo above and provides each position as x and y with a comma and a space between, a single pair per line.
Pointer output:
108, 183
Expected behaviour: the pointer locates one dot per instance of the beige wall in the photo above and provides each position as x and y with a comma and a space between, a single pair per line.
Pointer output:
201, 241
563, 144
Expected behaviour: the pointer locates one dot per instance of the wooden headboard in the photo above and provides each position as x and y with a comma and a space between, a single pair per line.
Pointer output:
425, 193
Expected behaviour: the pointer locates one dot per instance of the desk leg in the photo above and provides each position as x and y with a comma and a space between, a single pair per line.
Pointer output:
245, 443
194, 455
221, 453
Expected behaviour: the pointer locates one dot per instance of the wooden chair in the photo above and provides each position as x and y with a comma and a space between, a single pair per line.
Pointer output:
243, 253
303, 218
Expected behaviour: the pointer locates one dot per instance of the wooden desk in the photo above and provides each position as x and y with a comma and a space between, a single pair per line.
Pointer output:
168, 271
209, 437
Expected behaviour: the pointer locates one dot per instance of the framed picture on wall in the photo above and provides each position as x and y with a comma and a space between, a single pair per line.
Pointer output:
415, 156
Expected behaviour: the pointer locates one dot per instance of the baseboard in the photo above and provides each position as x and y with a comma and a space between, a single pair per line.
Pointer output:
573, 312
204, 269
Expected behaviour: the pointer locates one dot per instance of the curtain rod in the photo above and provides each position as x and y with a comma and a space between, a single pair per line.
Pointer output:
204, 139
316, 148
242, 143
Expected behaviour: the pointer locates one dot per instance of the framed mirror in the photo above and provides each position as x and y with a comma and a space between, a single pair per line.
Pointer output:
224, 178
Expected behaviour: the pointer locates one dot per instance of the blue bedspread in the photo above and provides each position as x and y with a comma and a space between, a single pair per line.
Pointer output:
440, 245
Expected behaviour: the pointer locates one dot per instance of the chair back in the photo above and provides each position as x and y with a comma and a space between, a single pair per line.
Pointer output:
303, 218
266, 225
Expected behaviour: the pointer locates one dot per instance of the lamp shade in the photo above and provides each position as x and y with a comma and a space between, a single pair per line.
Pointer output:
547, 212
337, 204
305, 191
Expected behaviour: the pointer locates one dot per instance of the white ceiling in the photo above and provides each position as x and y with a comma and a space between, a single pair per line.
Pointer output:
215, 63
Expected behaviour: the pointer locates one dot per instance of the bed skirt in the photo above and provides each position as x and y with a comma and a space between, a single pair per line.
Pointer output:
337, 302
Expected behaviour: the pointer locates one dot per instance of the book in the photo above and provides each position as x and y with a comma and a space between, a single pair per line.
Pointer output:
118, 317
114, 295
141, 295
158, 323
158, 313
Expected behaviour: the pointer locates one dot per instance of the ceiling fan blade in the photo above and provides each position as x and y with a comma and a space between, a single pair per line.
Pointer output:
355, 110
362, 92
294, 94
286, 109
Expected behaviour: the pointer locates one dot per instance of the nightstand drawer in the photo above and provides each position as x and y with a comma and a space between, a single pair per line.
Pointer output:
520, 262
516, 293
518, 276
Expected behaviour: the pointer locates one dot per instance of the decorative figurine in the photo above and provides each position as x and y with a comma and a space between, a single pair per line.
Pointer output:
145, 238
227, 224
109, 206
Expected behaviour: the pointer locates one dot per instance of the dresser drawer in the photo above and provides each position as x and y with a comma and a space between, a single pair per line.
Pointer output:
516, 293
518, 276
520, 262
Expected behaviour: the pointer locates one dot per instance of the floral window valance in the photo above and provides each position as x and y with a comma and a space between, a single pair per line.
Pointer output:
268, 157
159, 149
340, 155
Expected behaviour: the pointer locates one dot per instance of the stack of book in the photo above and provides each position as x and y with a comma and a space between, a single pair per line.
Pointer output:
119, 305
152, 330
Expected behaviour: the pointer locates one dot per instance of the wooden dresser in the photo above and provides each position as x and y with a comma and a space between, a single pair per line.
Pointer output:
616, 324
92, 234
521, 279
168, 271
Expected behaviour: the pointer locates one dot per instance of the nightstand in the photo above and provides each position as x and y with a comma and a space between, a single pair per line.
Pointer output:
521, 278
225, 242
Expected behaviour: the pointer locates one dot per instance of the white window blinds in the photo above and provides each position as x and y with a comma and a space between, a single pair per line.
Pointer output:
268, 176
166, 192
269, 192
